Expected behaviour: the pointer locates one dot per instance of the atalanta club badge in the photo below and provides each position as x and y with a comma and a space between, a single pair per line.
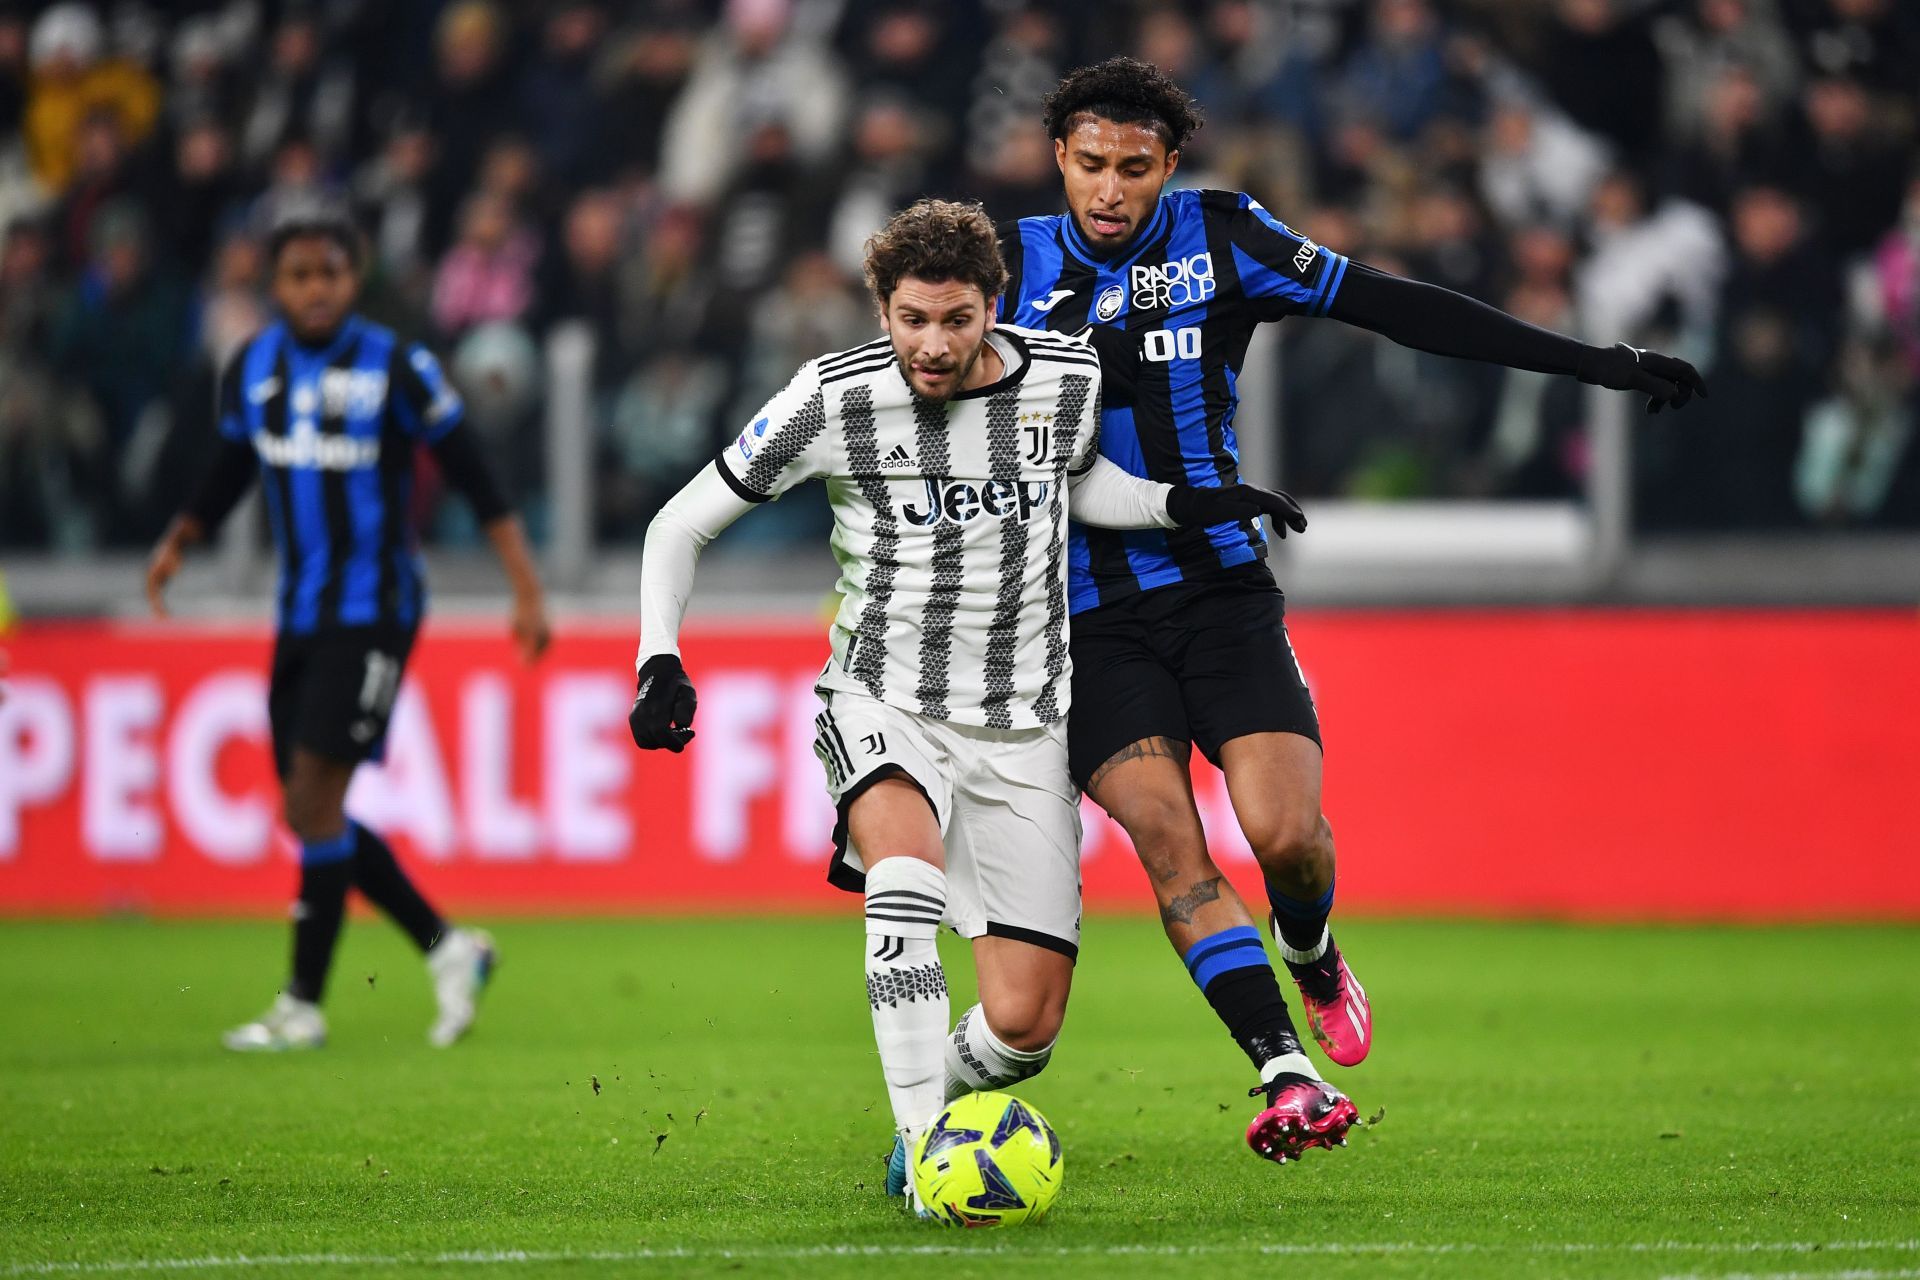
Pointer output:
1108, 305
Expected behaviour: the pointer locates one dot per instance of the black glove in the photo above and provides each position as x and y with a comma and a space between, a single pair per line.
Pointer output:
1666, 380
1190, 504
662, 714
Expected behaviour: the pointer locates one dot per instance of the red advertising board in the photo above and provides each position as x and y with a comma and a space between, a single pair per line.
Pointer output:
1625, 765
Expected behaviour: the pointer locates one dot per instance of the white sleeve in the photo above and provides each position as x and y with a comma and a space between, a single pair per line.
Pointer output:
691, 519
1108, 497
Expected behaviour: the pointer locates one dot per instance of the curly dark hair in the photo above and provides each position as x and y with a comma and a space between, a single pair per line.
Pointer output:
936, 241
1125, 91
317, 221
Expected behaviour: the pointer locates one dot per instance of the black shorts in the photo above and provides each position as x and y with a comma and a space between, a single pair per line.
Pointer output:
332, 692
1202, 662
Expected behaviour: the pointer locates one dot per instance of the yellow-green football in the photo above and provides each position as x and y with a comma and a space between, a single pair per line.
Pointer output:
988, 1159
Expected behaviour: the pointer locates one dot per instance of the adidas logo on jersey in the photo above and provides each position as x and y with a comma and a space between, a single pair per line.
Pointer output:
897, 457
1178, 282
961, 502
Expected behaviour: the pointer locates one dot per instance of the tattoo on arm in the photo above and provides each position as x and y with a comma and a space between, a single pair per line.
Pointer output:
1147, 748
1180, 908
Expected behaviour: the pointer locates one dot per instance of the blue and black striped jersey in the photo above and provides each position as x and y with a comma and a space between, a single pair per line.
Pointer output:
1171, 316
334, 429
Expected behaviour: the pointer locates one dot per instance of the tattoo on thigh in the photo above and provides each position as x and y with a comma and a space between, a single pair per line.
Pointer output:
1147, 748
1180, 909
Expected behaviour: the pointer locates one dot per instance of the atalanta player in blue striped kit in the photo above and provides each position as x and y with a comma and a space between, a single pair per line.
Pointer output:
1178, 635
328, 409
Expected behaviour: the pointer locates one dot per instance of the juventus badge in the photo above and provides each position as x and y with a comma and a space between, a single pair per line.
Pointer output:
1039, 440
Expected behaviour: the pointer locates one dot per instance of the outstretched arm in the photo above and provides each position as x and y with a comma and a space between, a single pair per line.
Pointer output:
664, 700
1430, 318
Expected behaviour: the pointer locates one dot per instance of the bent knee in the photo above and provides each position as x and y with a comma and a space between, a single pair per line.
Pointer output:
1027, 1024
1297, 843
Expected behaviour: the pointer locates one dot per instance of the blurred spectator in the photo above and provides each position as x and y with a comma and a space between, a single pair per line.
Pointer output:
1718, 34
202, 84
1876, 42
561, 114
234, 305
1536, 164
637, 82
1896, 280
120, 334
886, 171
393, 195
99, 176
303, 94
1604, 70
664, 426
1398, 76
772, 210
1022, 61
1646, 262
198, 194
1737, 141
751, 71
1857, 465
812, 310
582, 281
910, 51
488, 274
470, 101
73, 83
1854, 168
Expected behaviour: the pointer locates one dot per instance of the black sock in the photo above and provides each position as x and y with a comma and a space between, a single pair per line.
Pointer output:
1249, 1002
1231, 970
316, 924
1302, 927
376, 874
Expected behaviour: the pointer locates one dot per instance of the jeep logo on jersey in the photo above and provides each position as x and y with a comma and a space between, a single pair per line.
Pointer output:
962, 502
306, 448
1174, 283
1108, 305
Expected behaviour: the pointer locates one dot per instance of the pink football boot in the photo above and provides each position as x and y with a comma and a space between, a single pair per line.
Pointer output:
1301, 1114
1343, 1025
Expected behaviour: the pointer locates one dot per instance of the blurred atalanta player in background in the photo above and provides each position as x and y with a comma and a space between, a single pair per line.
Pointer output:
1178, 634
328, 408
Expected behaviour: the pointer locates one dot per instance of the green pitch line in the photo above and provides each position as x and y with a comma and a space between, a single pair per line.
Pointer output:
701, 1097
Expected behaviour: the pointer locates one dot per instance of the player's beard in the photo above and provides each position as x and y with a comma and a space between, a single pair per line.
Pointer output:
961, 373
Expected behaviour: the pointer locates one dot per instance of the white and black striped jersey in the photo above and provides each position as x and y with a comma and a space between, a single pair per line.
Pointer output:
950, 521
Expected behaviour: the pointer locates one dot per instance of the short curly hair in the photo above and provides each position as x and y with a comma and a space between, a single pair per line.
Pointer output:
1125, 91
937, 241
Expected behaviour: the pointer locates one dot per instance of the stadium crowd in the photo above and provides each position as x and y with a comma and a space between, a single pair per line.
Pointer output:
1730, 180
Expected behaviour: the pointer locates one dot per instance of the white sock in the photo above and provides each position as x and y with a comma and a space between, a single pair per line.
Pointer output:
906, 985
1308, 956
977, 1059
1296, 1064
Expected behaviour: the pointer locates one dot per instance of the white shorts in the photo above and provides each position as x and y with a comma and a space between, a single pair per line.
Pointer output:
1008, 810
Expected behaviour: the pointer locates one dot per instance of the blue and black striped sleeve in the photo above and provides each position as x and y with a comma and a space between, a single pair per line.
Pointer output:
426, 402
1281, 272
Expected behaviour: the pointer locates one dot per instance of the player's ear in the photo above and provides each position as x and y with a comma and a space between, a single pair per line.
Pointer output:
1060, 154
1173, 162
993, 312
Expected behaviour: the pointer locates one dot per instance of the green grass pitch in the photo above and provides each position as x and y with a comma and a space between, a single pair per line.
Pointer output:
701, 1098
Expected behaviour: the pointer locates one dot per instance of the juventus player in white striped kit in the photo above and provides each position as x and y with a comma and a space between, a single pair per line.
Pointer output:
950, 449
